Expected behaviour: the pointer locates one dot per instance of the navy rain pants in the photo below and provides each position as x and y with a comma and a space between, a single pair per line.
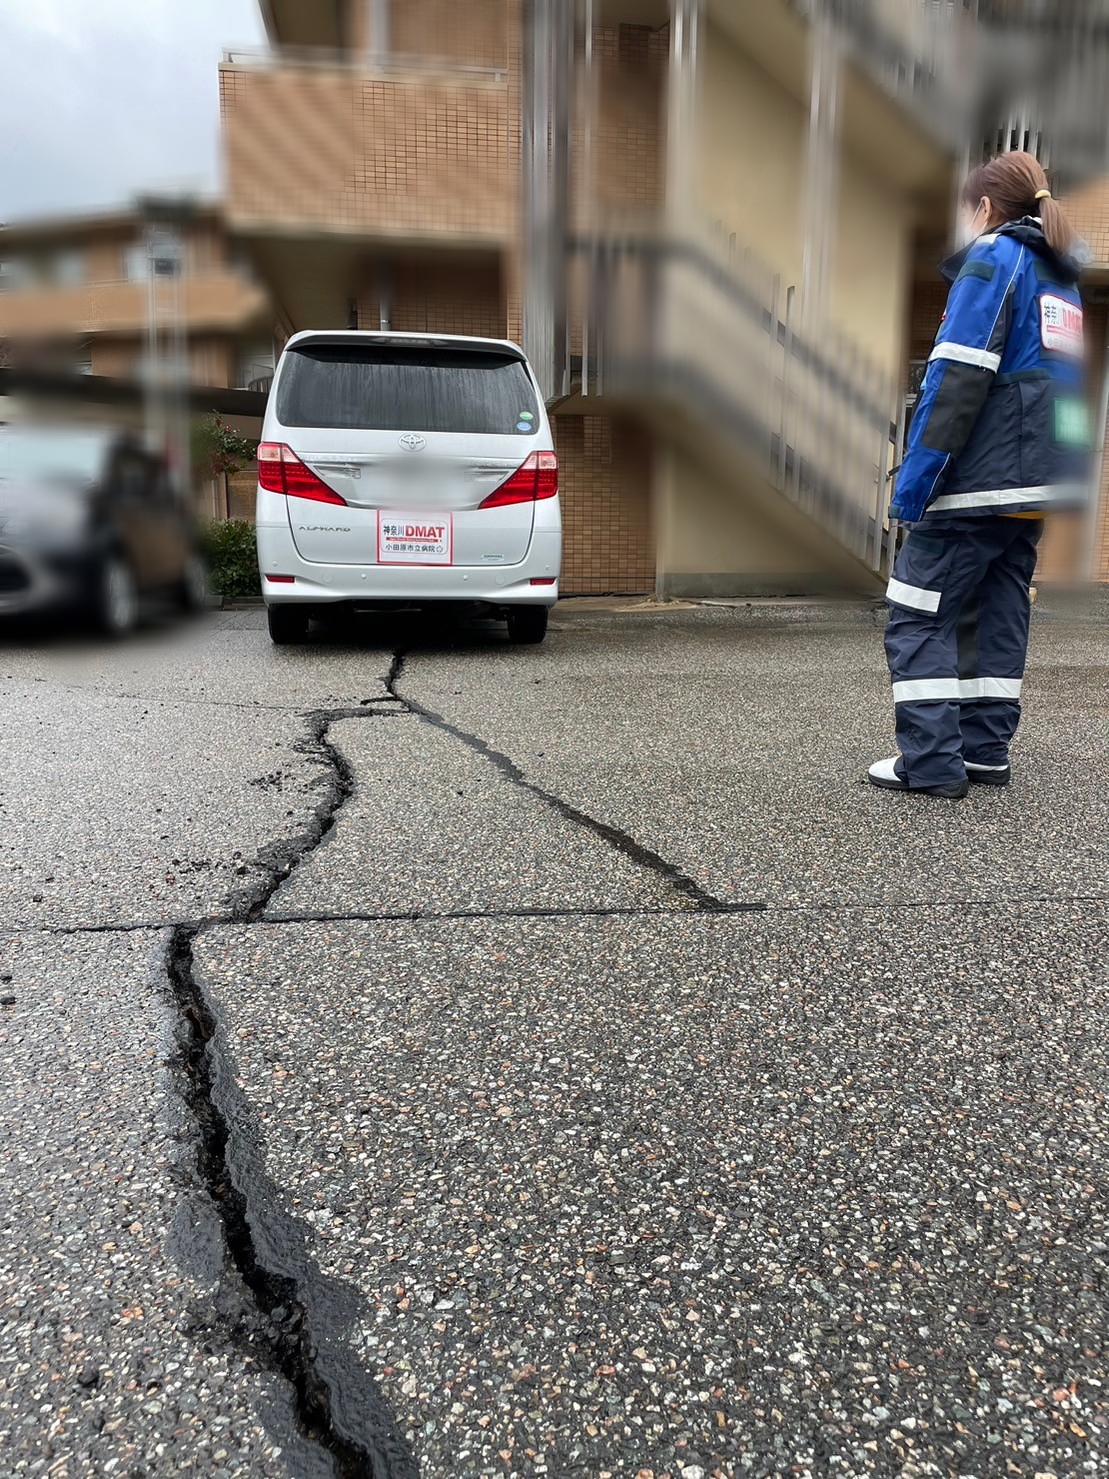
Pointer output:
957, 640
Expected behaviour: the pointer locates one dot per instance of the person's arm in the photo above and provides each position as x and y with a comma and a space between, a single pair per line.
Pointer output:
960, 372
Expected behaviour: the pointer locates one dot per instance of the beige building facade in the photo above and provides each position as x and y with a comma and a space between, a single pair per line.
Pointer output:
710, 223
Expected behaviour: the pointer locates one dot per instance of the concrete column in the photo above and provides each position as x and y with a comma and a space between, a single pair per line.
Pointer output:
821, 178
547, 70
681, 111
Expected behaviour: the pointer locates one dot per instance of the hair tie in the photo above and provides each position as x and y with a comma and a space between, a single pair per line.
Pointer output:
1043, 195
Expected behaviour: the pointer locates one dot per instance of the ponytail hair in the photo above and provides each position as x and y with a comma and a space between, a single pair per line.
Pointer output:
1016, 186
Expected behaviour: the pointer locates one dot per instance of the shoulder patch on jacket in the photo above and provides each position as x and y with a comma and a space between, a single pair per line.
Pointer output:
984, 270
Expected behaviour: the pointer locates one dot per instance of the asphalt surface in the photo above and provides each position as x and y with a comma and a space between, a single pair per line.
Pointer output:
424, 1056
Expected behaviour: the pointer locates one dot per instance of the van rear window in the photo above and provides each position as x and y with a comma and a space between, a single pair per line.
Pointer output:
380, 388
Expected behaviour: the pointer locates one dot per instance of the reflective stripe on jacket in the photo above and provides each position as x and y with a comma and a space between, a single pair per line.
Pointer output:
1001, 425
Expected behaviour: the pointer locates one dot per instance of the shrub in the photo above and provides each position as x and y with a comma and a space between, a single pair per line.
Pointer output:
217, 450
232, 557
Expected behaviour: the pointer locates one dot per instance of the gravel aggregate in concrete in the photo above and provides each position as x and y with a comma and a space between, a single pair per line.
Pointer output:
115, 810
221, 659
793, 1193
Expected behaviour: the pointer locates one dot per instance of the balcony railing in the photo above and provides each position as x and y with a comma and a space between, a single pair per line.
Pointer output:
315, 58
915, 50
696, 327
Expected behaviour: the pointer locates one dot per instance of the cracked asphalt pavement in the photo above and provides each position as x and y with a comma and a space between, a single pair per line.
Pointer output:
422, 1056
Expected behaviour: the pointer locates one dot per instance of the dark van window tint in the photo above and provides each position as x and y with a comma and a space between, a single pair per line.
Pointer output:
378, 388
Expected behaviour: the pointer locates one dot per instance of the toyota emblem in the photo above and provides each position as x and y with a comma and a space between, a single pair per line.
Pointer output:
413, 442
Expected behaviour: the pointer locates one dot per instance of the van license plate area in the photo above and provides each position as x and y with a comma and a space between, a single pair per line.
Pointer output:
414, 539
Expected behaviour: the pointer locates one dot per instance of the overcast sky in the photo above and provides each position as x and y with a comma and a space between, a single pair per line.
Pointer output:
101, 98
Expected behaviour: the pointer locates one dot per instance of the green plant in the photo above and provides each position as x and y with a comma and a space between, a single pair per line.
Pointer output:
216, 449
232, 557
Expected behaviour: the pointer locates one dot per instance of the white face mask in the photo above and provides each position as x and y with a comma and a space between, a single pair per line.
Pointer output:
970, 229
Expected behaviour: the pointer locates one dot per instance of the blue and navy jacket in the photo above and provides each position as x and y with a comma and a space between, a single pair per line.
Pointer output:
1002, 424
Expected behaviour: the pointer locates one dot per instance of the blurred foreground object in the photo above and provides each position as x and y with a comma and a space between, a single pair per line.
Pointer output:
144, 317
89, 523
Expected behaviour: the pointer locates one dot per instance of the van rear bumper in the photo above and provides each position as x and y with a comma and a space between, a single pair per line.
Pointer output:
319, 585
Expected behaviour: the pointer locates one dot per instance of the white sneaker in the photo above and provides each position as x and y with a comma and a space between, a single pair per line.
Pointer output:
890, 776
885, 773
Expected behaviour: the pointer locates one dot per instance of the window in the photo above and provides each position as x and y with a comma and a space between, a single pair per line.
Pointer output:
384, 388
134, 262
15, 272
255, 365
67, 267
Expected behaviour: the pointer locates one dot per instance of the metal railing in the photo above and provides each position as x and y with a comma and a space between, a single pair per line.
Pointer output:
913, 49
700, 328
318, 58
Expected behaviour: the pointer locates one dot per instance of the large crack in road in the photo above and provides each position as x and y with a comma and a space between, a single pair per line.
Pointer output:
287, 1336
338, 1406
301, 1317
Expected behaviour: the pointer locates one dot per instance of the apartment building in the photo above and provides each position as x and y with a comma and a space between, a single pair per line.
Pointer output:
712, 224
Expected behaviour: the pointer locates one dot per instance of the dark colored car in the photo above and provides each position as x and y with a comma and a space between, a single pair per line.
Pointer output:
90, 522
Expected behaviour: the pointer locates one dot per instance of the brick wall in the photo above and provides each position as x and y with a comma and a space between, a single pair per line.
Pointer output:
445, 296
929, 300
474, 34
605, 485
625, 174
1088, 210
329, 149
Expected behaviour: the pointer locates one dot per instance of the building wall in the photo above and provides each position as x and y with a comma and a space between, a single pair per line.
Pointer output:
605, 471
623, 109
723, 533
751, 137
472, 34
719, 533
220, 299
103, 316
446, 295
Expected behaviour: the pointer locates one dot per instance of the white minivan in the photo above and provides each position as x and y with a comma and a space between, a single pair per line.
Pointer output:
405, 470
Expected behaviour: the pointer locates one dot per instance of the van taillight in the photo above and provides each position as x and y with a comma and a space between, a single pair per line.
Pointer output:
280, 470
538, 478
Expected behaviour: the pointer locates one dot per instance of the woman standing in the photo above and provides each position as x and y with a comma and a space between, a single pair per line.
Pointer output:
999, 436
